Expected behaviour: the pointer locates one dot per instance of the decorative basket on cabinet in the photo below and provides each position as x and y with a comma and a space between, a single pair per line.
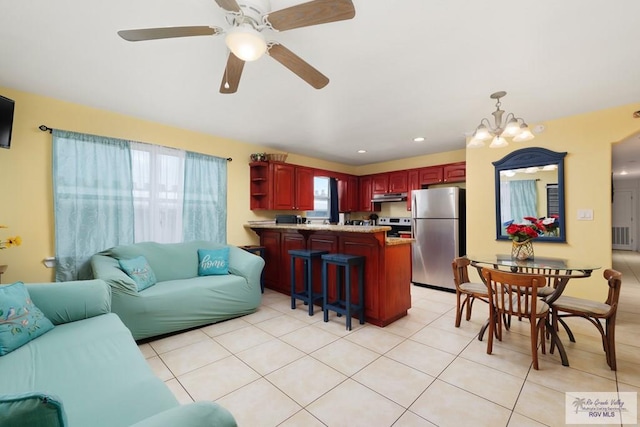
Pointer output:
279, 157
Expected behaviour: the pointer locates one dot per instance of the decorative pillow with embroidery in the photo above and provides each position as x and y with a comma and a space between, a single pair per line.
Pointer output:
20, 320
213, 261
140, 271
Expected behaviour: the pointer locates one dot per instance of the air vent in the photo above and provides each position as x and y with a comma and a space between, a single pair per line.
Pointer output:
620, 236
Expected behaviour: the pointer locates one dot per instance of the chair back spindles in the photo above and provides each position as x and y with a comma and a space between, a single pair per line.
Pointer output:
466, 291
516, 294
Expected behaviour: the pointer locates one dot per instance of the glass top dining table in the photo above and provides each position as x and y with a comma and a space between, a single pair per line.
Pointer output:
558, 270
563, 265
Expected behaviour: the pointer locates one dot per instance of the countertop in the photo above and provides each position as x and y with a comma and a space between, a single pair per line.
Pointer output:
324, 227
392, 241
389, 241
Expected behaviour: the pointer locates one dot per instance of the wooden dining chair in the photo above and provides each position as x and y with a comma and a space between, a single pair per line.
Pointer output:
516, 294
551, 274
594, 312
466, 291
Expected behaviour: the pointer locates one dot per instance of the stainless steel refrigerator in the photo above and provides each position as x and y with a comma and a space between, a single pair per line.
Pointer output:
438, 226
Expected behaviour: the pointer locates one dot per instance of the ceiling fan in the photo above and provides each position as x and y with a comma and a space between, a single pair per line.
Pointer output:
247, 20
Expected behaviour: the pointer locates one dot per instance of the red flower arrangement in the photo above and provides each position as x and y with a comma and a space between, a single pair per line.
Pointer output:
523, 232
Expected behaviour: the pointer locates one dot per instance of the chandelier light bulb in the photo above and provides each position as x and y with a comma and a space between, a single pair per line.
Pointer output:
498, 142
246, 43
482, 133
524, 135
475, 143
512, 128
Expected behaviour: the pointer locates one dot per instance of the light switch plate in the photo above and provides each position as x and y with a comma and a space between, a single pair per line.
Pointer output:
585, 214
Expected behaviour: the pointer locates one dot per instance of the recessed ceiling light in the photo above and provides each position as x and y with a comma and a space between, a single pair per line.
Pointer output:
418, 139
362, 151
624, 172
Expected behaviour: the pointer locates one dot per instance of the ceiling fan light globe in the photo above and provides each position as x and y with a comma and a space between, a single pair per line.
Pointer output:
246, 43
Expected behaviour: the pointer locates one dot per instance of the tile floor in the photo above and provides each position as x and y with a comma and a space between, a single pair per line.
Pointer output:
280, 367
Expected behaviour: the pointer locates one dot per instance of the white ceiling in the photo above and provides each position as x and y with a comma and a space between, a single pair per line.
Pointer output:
399, 69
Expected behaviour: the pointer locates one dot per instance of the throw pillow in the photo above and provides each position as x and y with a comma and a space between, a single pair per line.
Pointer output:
140, 271
31, 409
20, 320
213, 261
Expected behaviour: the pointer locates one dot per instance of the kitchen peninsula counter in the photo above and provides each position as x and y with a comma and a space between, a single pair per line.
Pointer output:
387, 262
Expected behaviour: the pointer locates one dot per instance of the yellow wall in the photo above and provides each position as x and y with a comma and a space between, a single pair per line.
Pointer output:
25, 174
587, 139
27, 204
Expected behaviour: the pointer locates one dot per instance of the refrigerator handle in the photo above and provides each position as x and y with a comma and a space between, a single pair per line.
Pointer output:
414, 206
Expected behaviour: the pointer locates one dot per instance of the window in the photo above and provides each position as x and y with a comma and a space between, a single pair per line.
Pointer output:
321, 199
158, 182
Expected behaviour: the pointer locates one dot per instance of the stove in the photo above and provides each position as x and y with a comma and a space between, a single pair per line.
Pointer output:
400, 227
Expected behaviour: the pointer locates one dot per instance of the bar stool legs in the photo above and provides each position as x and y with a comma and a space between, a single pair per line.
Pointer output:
340, 305
307, 295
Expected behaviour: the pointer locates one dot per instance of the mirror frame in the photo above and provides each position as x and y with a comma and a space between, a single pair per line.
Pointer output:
530, 157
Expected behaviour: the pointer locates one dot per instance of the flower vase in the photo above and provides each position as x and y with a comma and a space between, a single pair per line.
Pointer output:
522, 250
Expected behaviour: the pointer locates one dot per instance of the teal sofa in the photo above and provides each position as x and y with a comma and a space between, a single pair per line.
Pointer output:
90, 363
180, 299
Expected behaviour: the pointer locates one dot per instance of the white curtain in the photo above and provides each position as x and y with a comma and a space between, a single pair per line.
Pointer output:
524, 199
158, 186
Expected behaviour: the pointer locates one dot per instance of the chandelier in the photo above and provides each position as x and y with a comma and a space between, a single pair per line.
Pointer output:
503, 127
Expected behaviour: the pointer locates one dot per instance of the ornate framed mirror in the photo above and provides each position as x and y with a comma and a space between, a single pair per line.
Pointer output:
530, 182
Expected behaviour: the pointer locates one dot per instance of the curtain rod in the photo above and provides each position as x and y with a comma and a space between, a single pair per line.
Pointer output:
45, 128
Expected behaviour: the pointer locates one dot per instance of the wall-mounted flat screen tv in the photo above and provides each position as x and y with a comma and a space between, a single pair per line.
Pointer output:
6, 121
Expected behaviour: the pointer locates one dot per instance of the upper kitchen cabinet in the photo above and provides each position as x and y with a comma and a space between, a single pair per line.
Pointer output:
391, 182
413, 183
398, 182
452, 172
292, 187
280, 186
431, 175
380, 183
348, 192
366, 194
455, 172
260, 186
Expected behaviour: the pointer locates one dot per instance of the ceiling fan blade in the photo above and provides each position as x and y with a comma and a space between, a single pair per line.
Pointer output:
296, 64
230, 5
311, 13
167, 33
232, 73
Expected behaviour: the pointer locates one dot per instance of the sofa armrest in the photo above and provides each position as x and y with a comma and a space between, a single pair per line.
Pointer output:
108, 269
64, 302
245, 264
198, 414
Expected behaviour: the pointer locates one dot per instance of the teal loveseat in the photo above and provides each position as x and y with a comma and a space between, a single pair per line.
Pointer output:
180, 299
90, 363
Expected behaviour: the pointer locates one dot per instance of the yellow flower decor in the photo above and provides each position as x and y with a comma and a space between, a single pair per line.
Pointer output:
10, 241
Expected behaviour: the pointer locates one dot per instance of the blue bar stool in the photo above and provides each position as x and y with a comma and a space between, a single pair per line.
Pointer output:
306, 294
259, 251
343, 305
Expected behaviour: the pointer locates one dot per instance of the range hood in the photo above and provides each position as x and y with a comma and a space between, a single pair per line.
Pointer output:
389, 197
